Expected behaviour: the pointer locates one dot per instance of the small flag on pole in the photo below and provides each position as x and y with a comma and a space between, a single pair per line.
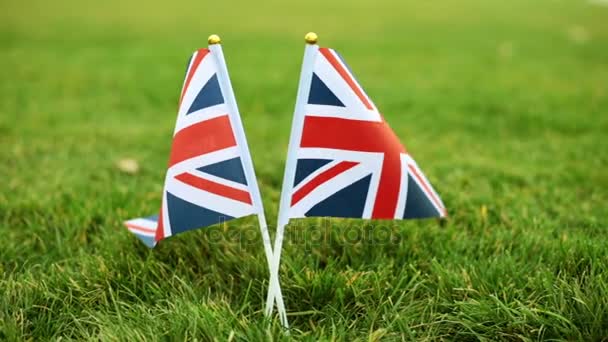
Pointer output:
210, 177
343, 158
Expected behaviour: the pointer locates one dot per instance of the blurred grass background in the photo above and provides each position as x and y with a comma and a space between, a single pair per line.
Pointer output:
503, 105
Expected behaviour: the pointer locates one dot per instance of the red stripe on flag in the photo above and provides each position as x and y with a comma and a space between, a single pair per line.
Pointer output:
201, 53
427, 190
214, 188
346, 76
201, 138
140, 228
352, 135
160, 227
387, 195
320, 179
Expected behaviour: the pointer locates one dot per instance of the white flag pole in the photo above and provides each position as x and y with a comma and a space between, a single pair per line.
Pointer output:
310, 54
237, 127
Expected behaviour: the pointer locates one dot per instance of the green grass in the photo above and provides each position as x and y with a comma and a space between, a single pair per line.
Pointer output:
503, 105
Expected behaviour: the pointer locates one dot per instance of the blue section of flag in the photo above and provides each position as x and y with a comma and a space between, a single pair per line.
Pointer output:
320, 94
149, 241
418, 205
348, 202
210, 95
231, 169
184, 216
307, 166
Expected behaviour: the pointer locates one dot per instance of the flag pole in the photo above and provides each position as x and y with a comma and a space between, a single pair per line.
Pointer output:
310, 54
237, 127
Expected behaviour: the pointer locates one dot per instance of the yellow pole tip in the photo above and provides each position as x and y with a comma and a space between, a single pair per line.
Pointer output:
311, 38
214, 39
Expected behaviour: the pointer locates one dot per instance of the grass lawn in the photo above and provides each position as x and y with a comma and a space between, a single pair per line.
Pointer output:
502, 104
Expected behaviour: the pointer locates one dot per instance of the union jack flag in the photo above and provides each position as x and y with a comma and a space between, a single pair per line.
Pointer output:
206, 181
349, 161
